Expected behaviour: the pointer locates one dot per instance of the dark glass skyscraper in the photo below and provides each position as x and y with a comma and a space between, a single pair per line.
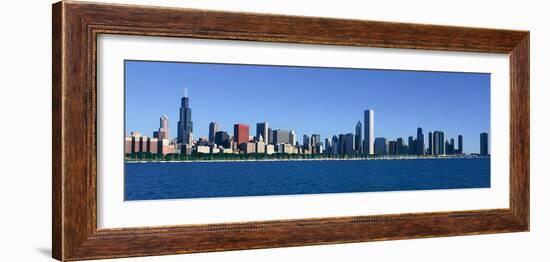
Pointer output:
447, 147
315, 140
484, 144
419, 141
328, 146
222, 138
347, 143
381, 146
306, 141
269, 136
430, 143
439, 143
358, 137
392, 146
335, 146
460, 148
185, 125
400, 146
262, 132
412, 145
212, 129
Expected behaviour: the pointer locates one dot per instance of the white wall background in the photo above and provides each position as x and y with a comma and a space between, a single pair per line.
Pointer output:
25, 110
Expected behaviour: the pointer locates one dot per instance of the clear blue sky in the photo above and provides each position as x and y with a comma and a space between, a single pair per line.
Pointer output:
308, 100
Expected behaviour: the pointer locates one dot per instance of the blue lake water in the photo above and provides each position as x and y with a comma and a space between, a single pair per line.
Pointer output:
147, 181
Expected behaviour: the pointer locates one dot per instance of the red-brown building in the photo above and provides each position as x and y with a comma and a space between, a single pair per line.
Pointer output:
152, 145
164, 146
136, 136
127, 145
240, 133
143, 144
163, 132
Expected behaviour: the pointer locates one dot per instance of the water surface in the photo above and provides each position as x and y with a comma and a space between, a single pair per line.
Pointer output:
147, 181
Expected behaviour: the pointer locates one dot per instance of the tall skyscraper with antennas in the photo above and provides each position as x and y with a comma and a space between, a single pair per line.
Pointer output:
185, 125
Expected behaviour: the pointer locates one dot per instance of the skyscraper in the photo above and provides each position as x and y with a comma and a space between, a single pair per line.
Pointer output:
368, 147
240, 133
315, 140
328, 145
392, 148
135, 146
293, 138
447, 147
381, 146
316, 143
269, 136
400, 146
335, 145
460, 148
430, 143
185, 125
306, 141
439, 143
262, 132
222, 139
484, 144
213, 128
281, 136
127, 145
358, 137
412, 145
347, 143
163, 132
451, 147
419, 141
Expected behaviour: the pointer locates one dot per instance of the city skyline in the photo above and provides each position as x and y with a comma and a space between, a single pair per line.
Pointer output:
284, 141
333, 124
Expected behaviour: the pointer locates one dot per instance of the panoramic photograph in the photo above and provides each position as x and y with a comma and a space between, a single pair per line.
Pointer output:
203, 130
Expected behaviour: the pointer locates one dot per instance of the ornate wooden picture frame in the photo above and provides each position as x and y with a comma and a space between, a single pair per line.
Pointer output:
76, 26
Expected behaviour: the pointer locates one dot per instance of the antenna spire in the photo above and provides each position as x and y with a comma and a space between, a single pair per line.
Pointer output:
185, 92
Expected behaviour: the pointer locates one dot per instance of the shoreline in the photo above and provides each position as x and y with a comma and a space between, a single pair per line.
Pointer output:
315, 159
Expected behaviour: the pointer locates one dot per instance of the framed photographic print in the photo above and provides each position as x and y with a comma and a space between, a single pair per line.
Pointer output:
182, 130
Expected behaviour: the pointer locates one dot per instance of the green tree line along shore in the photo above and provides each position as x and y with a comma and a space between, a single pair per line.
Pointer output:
243, 157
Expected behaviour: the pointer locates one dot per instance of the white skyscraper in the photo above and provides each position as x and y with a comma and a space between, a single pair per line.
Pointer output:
368, 146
